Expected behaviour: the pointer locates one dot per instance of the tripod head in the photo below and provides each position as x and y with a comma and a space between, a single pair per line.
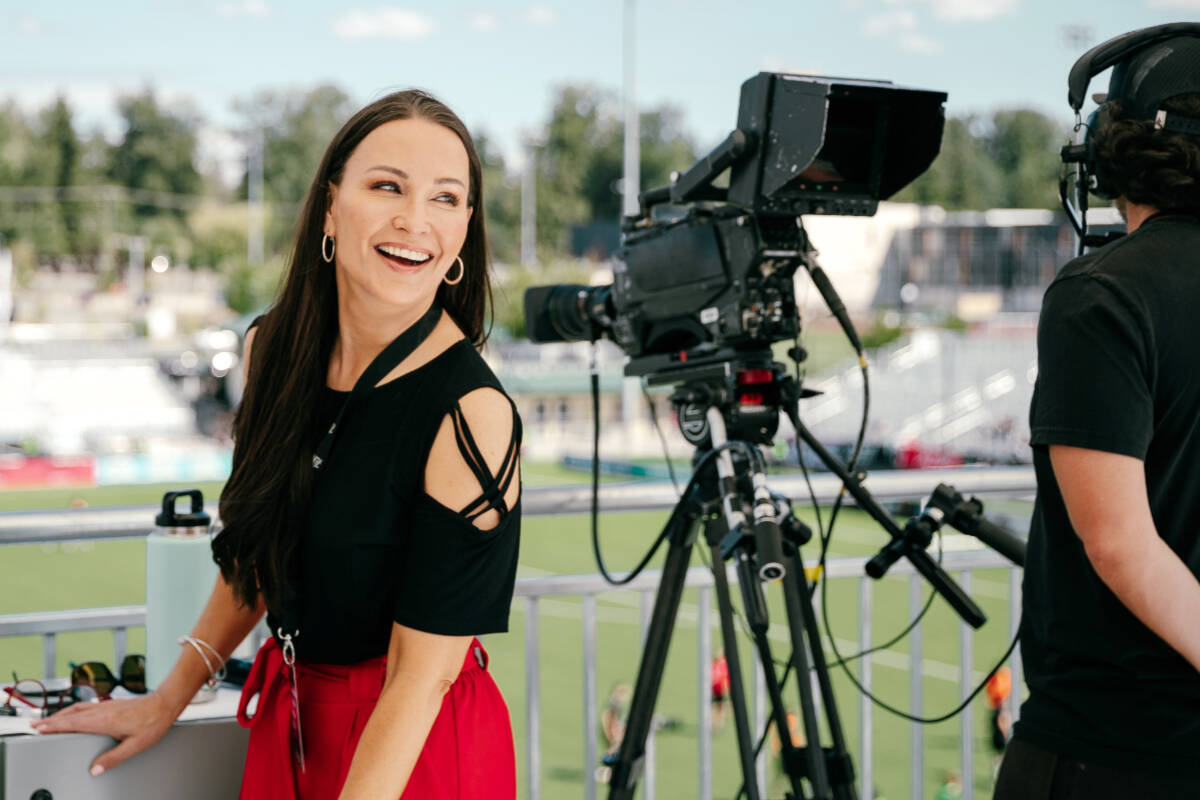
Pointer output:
743, 385
727, 402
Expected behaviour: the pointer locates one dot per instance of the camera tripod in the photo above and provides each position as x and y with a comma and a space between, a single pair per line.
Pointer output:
728, 402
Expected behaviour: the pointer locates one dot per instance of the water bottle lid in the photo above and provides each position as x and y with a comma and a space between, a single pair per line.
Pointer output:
170, 518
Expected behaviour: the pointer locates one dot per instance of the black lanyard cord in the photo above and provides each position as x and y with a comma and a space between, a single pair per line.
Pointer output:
391, 357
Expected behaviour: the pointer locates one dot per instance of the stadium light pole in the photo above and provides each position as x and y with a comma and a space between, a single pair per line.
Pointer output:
254, 197
529, 201
632, 152
632, 404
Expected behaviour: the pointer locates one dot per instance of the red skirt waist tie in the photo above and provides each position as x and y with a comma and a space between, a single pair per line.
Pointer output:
468, 753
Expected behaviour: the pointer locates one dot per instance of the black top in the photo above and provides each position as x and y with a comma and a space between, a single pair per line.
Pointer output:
1118, 371
376, 547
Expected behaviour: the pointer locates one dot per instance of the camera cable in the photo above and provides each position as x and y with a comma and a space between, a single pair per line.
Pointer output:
697, 471
826, 533
633, 573
838, 309
661, 436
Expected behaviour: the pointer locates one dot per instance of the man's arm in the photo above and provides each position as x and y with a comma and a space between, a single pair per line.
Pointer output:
1109, 507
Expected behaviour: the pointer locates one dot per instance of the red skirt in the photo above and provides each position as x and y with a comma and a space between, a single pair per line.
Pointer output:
468, 753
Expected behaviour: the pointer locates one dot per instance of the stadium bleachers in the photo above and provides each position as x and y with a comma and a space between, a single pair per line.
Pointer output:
965, 393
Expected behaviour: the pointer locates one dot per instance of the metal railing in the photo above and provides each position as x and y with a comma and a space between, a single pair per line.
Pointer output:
28, 527
589, 587
35, 527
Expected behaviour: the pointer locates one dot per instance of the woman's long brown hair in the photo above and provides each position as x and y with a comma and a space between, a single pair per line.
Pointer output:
263, 505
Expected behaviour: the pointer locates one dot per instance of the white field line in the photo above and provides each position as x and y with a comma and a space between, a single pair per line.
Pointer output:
621, 608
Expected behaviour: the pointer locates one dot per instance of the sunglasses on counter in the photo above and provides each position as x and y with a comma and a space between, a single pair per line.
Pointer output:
91, 681
96, 676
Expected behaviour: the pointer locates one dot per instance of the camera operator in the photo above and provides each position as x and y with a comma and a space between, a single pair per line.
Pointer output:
1111, 626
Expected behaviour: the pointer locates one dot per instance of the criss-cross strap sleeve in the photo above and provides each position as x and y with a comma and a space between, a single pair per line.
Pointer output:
459, 564
495, 486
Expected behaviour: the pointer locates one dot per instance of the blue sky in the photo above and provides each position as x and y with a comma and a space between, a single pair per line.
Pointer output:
497, 63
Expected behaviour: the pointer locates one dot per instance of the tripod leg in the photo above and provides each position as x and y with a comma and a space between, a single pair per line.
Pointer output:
737, 696
755, 605
814, 756
803, 623
628, 767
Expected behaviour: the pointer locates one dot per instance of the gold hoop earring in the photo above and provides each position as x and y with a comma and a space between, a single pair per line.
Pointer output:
328, 248
461, 272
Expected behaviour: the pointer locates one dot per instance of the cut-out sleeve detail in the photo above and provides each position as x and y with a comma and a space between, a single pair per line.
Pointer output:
494, 487
456, 578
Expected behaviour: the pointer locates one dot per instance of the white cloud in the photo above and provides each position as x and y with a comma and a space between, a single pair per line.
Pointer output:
776, 64
482, 21
385, 23
1175, 5
890, 22
972, 10
956, 10
29, 25
915, 42
541, 15
244, 8
900, 26
978, 10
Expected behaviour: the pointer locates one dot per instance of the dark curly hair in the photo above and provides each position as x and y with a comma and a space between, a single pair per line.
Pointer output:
1148, 166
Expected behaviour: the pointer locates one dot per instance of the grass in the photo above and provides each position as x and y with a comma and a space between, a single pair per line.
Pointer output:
87, 574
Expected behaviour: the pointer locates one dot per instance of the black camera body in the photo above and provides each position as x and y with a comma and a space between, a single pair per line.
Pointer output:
702, 267
719, 276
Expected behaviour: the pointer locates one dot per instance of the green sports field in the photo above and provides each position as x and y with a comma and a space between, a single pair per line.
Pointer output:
79, 575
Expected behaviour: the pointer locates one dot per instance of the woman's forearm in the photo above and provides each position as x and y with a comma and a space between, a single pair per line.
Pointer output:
223, 623
394, 736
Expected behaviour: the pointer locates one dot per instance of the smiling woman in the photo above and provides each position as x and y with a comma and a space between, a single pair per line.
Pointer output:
373, 511
401, 216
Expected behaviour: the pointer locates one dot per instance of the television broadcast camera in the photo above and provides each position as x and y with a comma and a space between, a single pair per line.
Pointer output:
704, 268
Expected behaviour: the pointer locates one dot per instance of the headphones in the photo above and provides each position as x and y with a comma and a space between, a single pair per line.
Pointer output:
1151, 66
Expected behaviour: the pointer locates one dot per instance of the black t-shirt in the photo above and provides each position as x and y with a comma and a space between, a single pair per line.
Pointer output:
376, 548
1118, 371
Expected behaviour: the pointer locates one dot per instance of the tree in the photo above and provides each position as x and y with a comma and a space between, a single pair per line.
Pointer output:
41, 154
1024, 144
10, 126
665, 148
1007, 161
563, 162
156, 151
61, 147
296, 128
501, 202
963, 176
16, 141
582, 161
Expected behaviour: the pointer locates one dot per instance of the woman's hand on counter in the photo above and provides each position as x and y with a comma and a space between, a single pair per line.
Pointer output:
135, 723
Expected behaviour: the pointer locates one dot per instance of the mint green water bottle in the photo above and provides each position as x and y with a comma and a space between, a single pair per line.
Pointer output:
180, 574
